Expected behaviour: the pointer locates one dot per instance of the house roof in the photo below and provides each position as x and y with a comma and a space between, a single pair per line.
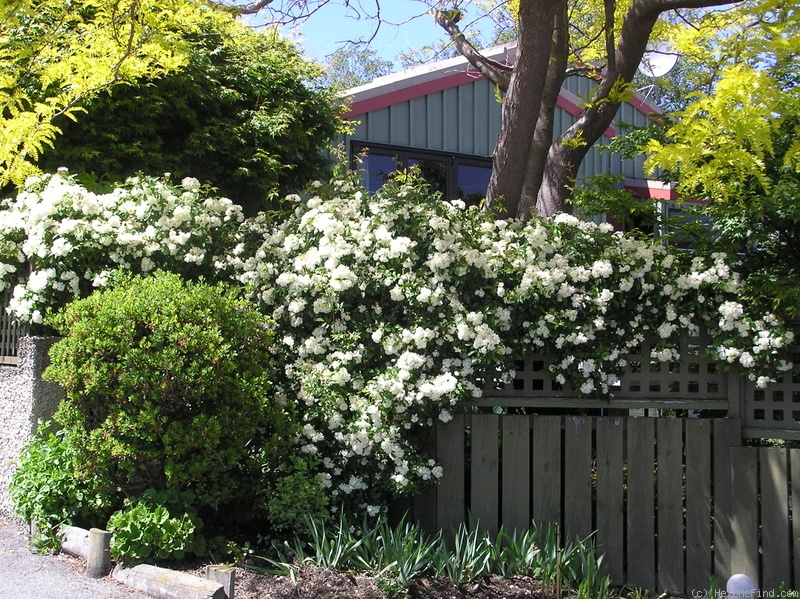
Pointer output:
445, 74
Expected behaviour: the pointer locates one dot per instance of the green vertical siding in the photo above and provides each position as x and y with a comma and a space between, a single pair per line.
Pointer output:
466, 120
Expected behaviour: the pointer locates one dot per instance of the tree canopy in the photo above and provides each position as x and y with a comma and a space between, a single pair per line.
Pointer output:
243, 113
53, 55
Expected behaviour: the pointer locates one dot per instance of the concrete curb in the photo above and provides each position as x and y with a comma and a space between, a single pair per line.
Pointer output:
160, 583
167, 584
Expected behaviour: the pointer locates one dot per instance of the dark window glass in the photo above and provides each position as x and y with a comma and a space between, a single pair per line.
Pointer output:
376, 168
473, 180
454, 176
434, 172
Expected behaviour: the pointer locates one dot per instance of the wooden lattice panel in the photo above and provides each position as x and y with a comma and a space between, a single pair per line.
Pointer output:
693, 377
777, 406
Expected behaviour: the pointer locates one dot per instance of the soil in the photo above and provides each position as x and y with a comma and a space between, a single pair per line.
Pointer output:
313, 582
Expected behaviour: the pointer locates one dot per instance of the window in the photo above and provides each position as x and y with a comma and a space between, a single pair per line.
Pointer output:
456, 176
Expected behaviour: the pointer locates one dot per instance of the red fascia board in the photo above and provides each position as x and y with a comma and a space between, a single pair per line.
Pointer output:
571, 106
410, 93
651, 189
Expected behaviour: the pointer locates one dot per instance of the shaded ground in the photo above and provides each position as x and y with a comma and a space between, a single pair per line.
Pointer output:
28, 575
314, 582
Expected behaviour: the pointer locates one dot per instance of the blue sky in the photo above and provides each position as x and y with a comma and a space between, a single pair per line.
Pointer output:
405, 26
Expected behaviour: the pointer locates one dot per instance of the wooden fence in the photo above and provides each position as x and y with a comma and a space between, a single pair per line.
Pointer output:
673, 502
665, 475
10, 332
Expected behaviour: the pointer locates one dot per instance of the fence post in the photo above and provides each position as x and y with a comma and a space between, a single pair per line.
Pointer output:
98, 560
224, 575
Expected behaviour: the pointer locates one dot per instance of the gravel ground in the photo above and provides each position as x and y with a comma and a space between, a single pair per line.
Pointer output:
29, 575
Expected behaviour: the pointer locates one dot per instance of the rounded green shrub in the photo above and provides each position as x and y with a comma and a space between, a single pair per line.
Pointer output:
167, 386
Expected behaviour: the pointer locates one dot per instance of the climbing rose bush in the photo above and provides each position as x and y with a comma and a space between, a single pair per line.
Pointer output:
59, 240
395, 309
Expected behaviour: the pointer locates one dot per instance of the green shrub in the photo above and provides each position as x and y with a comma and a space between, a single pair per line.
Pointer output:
147, 529
48, 491
167, 387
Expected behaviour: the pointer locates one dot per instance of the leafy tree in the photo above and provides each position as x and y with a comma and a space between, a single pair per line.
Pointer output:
733, 146
243, 114
353, 65
737, 148
601, 39
54, 55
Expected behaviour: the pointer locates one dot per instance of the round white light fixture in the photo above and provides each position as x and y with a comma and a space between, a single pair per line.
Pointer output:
741, 586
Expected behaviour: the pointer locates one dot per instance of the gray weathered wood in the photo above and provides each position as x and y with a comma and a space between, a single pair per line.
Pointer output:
671, 575
546, 469
610, 495
98, 560
224, 575
794, 472
516, 452
578, 476
726, 435
485, 470
744, 516
451, 501
699, 560
423, 505
775, 545
641, 503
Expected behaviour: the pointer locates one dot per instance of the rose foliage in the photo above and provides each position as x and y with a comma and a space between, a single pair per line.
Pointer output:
395, 309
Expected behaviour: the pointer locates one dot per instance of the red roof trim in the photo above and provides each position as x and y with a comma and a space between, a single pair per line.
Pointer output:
646, 188
410, 93
569, 102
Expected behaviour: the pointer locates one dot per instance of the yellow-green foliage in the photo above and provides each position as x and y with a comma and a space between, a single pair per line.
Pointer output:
748, 88
721, 140
54, 54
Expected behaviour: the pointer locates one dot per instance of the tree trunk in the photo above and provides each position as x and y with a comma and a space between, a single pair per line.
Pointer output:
543, 135
525, 91
560, 172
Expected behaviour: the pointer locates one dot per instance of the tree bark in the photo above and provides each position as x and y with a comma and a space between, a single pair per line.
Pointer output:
543, 134
566, 155
521, 104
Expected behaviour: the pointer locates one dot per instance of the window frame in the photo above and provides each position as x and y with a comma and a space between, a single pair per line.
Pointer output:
403, 154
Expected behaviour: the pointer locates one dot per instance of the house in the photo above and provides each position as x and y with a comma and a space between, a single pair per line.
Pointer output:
445, 116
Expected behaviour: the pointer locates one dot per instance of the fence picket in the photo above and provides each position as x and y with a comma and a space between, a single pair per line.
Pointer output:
727, 434
610, 525
776, 550
578, 476
744, 516
794, 472
485, 460
546, 469
451, 500
516, 473
699, 560
641, 504
670, 505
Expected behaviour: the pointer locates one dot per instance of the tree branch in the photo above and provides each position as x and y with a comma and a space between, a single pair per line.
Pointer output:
496, 72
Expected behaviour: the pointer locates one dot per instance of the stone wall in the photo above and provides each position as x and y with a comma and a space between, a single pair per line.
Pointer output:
24, 399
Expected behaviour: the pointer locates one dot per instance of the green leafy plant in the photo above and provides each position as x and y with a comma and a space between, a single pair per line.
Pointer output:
48, 490
397, 555
167, 386
156, 525
468, 557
